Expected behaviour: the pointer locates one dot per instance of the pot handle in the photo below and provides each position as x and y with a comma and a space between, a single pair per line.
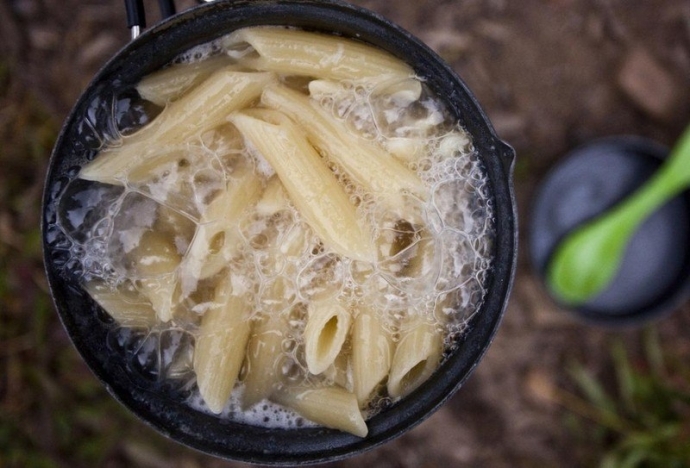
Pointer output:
136, 16
506, 153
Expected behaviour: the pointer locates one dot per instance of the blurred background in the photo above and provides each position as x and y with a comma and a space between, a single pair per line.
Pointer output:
551, 391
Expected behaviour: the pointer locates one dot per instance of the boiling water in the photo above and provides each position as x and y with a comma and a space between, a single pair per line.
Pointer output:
448, 236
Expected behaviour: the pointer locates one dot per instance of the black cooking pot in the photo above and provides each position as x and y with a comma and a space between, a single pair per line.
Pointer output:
88, 325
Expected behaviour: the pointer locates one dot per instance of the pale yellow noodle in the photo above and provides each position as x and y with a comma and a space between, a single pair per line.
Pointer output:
311, 186
416, 357
124, 304
368, 165
372, 353
332, 407
328, 325
220, 347
205, 107
294, 52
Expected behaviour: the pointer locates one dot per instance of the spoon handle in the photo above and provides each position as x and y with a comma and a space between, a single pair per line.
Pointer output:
671, 179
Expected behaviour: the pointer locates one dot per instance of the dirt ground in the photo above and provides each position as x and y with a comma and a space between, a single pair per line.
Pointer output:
551, 74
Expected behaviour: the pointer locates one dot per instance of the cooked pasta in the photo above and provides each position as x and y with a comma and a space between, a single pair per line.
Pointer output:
217, 238
332, 407
300, 254
372, 352
327, 328
124, 304
416, 357
220, 346
171, 83
203, 108
368, 165
155, 261
294, 52
311, 186
263, 359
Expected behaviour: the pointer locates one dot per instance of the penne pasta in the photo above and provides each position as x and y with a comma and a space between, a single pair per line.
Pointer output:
264, 352
155, 260
124, 304
403, 91
169, 84
416, 357
274, 198
289, 247
200, 110
332, 407
340, 372
367, 164
328, 325
293, 52
311, 186
372, 353
217, 237
220, 346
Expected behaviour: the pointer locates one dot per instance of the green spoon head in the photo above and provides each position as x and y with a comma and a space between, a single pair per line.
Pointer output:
585, 263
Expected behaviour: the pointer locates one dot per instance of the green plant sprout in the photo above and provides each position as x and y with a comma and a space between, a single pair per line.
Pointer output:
647, 420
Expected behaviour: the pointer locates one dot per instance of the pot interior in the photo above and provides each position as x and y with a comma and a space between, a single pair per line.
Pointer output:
88, 325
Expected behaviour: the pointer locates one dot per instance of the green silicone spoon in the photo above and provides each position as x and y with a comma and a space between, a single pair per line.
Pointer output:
587, 260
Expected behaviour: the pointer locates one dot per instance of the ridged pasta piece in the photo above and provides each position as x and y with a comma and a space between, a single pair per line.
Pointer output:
368, 165
169, 84
328, 325
155, 260
124, 304
274, 198
403, 91
203, 108
416, 357
264, 353
340, 372
372, 353
217, 238
220, 346
311, 186
294, 52
332, 407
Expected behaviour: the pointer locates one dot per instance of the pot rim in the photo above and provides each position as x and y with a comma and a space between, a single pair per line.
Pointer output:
279, 446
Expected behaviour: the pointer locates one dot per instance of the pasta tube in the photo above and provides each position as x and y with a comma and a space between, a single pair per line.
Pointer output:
368, 165
402, 91
200, 110
264, 353
311, 186
220, 347
124, 304
294, 52
174, 81
217, 237
416, 357
155, 260
332, 407
339, 372
328, 324
274, 198
372, 352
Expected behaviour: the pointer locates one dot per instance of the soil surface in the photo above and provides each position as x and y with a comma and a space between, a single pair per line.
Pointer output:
550, 74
